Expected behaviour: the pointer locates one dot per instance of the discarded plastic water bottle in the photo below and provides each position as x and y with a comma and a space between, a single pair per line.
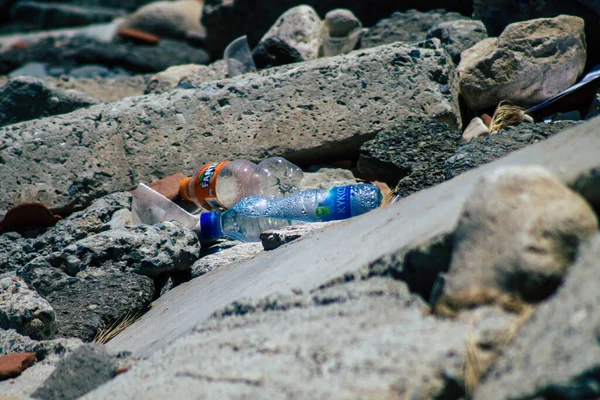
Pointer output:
254, 215
224, 184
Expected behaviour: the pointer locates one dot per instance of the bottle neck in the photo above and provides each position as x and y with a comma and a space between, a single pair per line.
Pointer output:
210, 225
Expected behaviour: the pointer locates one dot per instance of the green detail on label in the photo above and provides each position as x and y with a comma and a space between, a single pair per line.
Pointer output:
323, 211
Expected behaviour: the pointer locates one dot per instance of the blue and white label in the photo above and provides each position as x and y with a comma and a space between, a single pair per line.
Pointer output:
336, 206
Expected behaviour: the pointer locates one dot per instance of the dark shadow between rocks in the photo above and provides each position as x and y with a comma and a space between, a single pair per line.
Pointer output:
420, 267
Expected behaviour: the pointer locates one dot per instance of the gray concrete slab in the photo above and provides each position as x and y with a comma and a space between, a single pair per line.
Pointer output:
348, 246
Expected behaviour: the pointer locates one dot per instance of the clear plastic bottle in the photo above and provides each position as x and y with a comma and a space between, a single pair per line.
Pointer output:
254, 215
224, 184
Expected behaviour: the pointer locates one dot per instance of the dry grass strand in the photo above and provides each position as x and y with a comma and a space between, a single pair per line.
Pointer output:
508, 114
104, 335
475, 364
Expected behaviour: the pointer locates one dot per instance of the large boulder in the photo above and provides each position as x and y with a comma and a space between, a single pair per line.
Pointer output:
409, 26
497, 14
368, 338
226, 20
319, 110
410, 154
528, 63
515, 240
556, 355
293, 38
26, 98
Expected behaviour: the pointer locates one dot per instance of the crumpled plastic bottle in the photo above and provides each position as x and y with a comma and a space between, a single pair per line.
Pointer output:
223, 184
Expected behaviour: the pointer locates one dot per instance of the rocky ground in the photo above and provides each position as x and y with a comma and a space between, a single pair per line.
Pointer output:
479, 283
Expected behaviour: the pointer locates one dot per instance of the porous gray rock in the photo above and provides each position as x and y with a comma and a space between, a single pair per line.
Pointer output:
26, 98
556, 354
52, 350
226, 20
97, 280
409, 26
48, 354
23, 309
11, 250
275, 238
91, 300
42, 16
457, 36
528, 63
296, 33
335, 105
482, 150
94, 219
83, 50
86, 368
409, 154
145, 250
16, 251
516, 238
228, 256
373, 340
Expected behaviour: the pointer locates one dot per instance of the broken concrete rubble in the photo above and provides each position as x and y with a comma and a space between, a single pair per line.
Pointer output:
345, 309
111, 148
324, 257
528, 63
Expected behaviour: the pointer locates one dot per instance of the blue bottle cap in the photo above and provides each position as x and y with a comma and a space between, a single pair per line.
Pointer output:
210, 225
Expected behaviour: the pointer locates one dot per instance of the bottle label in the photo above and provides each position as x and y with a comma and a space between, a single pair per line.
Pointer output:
336, 206
205, 188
